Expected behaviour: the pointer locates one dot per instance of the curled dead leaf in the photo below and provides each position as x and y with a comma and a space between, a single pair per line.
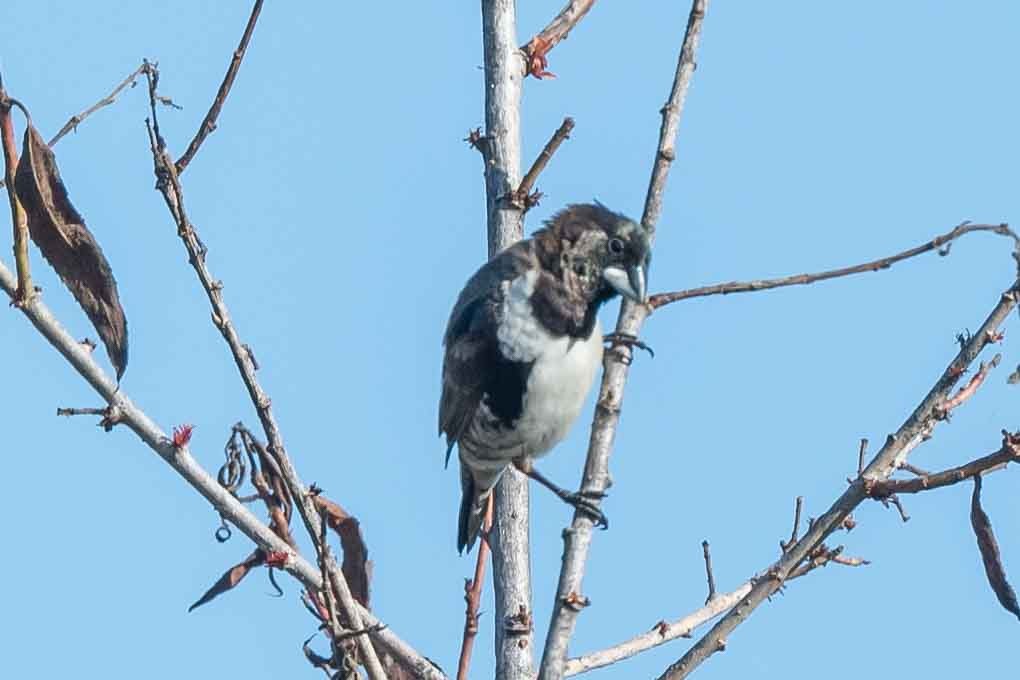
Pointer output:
61, 235
230, 578
356, 566
990, 554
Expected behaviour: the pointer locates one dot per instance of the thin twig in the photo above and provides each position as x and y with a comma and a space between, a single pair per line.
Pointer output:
1009, 452
708, 571
662, 299
181, 460
19, 220
860, 455
968, 390
74, 121
550, 36
209, 122
797, 509
168, 184
83, 411
917, 427
473, 597
577, 537
523, 197
663, 632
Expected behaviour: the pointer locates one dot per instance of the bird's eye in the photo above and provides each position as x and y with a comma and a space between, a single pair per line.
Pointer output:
615, 246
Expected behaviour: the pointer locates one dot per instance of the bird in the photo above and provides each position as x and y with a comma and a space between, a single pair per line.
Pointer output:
523, 344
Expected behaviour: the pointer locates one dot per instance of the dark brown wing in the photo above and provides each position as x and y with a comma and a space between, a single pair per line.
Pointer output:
471, 349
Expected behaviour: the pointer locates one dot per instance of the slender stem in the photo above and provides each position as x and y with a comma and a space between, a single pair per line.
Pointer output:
473, 596
209, 122
1009, 452
522, 195
18, 217
74, 121
942, 241
577, 537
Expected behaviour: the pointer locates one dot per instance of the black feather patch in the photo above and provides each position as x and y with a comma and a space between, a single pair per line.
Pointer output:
504, 386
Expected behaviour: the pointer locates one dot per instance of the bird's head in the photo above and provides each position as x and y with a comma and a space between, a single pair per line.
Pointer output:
597, 252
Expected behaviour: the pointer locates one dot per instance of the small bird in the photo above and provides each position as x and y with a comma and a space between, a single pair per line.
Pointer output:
523, 344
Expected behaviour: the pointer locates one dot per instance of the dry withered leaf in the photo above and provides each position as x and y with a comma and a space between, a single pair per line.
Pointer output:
60, 233
231, 578
990, 555
356, 566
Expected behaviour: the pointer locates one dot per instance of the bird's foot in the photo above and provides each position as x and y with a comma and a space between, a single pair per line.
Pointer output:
628, 340
587, 503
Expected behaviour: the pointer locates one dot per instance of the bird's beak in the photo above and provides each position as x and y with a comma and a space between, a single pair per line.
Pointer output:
629, 283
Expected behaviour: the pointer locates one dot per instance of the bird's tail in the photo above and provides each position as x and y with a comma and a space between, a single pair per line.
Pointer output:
476, 487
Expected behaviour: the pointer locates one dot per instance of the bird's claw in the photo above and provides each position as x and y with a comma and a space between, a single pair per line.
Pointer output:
586, 502
628, 340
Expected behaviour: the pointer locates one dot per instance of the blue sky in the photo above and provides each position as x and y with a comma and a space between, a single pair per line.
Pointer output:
343, 212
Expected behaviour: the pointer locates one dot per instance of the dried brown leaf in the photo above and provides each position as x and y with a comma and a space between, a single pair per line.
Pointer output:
230, 578
356, 566
990, 555
60, 233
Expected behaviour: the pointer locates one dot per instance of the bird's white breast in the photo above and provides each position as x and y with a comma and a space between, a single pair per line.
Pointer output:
562, 372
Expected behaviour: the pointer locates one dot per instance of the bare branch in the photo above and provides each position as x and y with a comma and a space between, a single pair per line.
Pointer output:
473, 596
509, 541
523, 198
168, 184
968, 390
917, 427
663, 632
577, 537
797, 509
181, 460
550, 36
662, 299
209, 122
19, 219
1009, 452
708, 571
76, 120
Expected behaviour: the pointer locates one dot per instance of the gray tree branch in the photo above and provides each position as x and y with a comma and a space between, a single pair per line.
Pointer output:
916, 429
577, 537
511, 559
123, 411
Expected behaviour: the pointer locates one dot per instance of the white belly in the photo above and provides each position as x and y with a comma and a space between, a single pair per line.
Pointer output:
557, 387
562, 371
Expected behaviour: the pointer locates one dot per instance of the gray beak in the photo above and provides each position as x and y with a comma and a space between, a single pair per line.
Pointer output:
629, 283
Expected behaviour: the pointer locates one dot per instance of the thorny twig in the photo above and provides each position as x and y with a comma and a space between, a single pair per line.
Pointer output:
662, 299
538, 48
577, 537
209, 122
